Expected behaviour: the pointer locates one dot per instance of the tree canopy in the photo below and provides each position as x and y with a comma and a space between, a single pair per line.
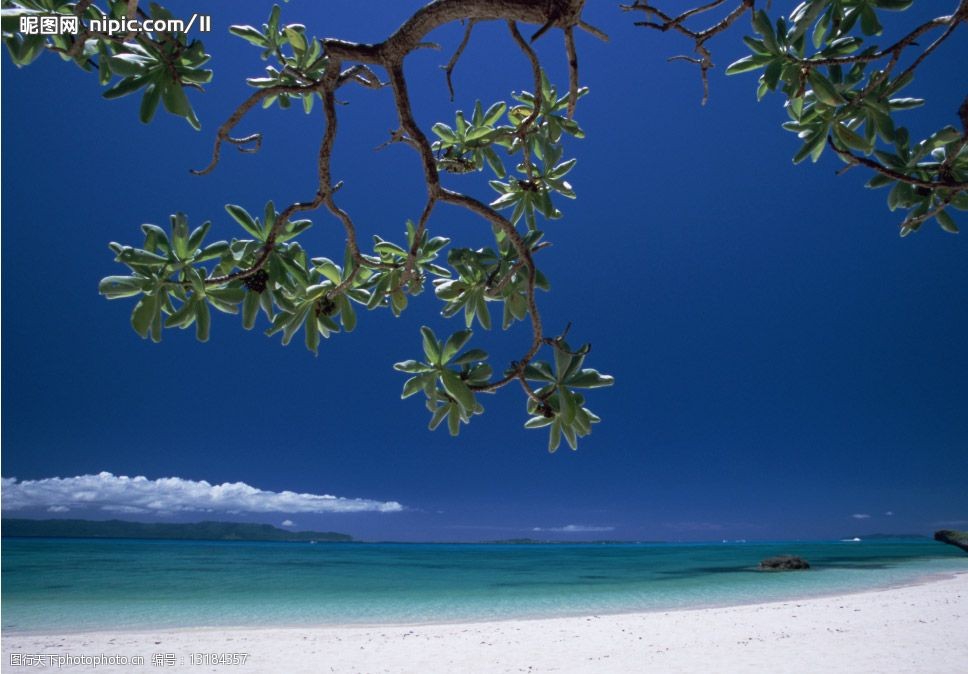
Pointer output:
841, 91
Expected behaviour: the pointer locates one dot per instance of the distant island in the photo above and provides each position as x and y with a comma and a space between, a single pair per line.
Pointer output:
192, 531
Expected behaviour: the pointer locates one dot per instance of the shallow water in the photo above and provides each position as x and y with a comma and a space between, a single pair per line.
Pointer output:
75, 584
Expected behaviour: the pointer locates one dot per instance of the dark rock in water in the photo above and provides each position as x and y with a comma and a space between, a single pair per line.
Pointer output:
784, 563
959, 539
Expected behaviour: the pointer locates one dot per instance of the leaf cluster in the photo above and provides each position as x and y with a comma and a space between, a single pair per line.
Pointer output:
819, 60
161, 65
268, 272
532, 128
487, 275
557, 404
300, 61
449, 377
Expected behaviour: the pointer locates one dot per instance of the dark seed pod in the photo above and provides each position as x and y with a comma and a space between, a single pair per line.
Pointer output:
257, 282
325, 307
416, 284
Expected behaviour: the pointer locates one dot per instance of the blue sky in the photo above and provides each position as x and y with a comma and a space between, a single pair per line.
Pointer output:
784, 362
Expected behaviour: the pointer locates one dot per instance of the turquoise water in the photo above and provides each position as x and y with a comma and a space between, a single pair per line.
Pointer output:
73, 584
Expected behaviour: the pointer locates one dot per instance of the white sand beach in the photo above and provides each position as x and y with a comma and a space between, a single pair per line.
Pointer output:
922, 629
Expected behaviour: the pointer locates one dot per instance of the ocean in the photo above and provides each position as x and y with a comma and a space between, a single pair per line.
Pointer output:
90, 584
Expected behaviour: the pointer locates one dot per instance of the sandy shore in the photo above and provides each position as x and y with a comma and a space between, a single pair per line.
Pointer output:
920, 629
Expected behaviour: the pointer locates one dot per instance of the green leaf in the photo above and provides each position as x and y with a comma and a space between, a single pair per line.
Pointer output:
823, 89
812, 146
868, 21
295, 322
412, 386
444, 132
197, 236
944, 136
763, 26
241, 216
347, 314
554, 438
212, 251
126, 86
431, 346
454, 344
129, 256
756, 46
144, 315
116, 287
568, 405
879, 180
570, 435
412, 366
746, 64
457, 389
328, 269
905, 103
506, 200
273, 22
483, 314
130, 65
176, 102
453, 420
398, 301
563, 362
590, 379
184, 316
203, 321
494, 113
250, 309
772, 74
946, 221
149, 103
494, 162
472, 356
539, 371
387, 248
820, 31
477, 133
249, 34
296, 38
538, 422
292, 229
438, 416
850, 139
561, 169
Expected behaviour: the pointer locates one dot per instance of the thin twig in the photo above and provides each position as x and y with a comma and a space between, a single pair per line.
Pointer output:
852, 158
452, 63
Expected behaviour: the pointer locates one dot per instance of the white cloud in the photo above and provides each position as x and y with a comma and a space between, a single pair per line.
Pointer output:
890, 513
288, 523
861, 516
574, 528
119, 493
